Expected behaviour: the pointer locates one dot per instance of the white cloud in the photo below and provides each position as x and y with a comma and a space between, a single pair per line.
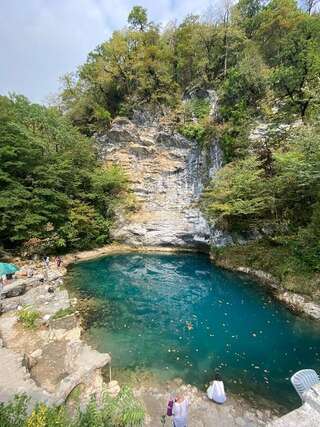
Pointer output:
43, 39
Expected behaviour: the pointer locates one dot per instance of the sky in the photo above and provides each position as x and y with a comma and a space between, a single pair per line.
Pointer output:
41, 40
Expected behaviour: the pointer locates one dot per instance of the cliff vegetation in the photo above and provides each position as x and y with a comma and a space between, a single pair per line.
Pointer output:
263, 61
54, 193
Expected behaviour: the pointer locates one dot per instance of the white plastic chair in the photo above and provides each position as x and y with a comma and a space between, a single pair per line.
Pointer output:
303, 380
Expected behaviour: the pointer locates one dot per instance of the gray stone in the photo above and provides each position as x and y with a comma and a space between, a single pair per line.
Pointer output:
14, 379
260, 275
300, 303
308, 415
113, 388
14, 289
167, 174
66, 322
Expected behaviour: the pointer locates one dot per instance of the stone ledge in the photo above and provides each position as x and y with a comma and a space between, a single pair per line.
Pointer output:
308, 415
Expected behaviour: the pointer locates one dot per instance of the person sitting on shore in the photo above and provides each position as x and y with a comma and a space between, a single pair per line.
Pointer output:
180, 411
216, 390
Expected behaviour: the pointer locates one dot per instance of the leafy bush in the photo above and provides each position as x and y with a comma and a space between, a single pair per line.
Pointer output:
121, 411
198, 108
53, 190
45, 416
28, 318
62, 313
193, 131
238, 196
14, 413
125, 410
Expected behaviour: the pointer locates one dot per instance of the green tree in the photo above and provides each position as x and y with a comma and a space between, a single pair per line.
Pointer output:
138, 18
246, 15
48, 180
238, 196
296, 78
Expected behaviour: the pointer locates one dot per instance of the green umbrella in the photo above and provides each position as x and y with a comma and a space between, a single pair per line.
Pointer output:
6, 268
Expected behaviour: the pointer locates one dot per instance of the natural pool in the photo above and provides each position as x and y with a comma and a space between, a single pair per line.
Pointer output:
177, 315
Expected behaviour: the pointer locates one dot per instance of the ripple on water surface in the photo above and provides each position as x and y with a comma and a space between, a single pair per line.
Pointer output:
178, 315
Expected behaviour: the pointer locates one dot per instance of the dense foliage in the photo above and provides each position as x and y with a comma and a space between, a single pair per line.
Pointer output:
255, 54
54, 194
121, 411
263, 61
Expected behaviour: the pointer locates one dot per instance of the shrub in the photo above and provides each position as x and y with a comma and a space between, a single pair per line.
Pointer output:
121, 411
44, 416
194, 131
14, 413
199, 108
125, 409
29, 318
62, 313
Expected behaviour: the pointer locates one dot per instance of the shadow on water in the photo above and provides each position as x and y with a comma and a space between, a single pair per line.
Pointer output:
178, 315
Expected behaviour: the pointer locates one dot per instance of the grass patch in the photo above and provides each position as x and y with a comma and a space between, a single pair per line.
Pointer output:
277, 260
28, 318
123, 410
63, 312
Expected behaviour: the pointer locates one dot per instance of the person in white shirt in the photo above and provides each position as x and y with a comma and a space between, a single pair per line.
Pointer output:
216, 390
180, 412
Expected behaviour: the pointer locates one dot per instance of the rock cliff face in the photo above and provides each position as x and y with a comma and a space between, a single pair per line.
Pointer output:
167, 173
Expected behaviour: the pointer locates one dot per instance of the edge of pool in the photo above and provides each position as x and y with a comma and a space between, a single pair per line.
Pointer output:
296, 303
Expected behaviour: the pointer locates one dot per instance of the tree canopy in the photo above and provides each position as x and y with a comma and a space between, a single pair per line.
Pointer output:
262, 59
53, 191
275, 45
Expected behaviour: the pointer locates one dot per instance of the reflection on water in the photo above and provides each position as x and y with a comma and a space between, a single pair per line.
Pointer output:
178, 315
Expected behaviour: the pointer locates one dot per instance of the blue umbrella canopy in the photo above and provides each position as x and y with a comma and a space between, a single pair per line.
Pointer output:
6, 268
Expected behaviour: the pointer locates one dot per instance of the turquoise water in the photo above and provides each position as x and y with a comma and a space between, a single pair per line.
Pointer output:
180, 316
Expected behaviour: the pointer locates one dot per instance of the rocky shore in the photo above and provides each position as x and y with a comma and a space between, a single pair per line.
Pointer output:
45, 358
236, 412
50, 362
299, 304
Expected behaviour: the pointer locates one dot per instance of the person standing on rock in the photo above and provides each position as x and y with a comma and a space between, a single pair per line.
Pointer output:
2, 283
58, 261
180, 411
46, 261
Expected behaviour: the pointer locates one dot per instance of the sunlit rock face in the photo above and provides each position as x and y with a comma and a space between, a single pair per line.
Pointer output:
167, 173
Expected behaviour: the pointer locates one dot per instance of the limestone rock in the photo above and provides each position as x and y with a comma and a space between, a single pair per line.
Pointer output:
14, 379
14, 290
308, 415
260, 275
167, 173
67, 322
113, 388
300, 303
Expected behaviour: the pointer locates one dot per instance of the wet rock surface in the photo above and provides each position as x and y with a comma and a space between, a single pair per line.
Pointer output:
300, 303
167, 173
